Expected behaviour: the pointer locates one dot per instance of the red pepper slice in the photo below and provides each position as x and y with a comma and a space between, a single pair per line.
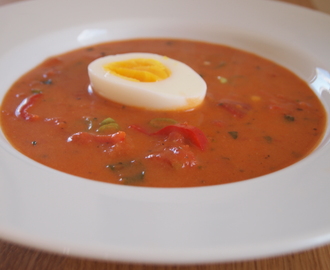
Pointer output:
22, 109
193, 134
86, 137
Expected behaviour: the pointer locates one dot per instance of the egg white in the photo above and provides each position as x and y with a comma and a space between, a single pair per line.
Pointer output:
183, 89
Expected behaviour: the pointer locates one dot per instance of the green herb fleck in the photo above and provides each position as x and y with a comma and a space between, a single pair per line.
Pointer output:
107, 121
129, 172
289, 118
111, 127
108, 125
268, 139
48, 82
233, 134
161, 122
36, 91
221, 64
222, 79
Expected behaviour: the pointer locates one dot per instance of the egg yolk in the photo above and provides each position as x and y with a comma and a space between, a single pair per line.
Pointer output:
139, 70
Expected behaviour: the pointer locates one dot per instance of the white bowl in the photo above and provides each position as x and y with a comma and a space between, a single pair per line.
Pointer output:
281, 212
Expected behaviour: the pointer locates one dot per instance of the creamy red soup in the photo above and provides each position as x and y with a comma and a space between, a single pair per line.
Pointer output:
257, 118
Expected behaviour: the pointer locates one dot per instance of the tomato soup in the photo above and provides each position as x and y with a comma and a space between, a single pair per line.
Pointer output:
257, 118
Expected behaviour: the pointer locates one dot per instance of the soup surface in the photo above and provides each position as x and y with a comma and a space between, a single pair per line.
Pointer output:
257, 118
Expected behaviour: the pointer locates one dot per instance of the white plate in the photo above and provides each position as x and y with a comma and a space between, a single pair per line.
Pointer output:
282, 212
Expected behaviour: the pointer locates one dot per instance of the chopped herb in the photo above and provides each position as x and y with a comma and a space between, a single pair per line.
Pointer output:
268, 139
48, 82
221, 64
162, 122
111, 127
133, 178
79, 63
34, 142
107, 121
233, 134
289, 118
130, 172
222, 79
36, 91
116, 166
108, 125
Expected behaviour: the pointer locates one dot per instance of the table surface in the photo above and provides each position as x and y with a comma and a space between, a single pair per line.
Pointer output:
14, 257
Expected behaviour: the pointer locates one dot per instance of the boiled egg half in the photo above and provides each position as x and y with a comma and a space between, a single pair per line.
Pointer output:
147, 80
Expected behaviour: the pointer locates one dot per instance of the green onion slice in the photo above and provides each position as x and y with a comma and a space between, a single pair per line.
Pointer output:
162, 122
107, 121
109, 128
